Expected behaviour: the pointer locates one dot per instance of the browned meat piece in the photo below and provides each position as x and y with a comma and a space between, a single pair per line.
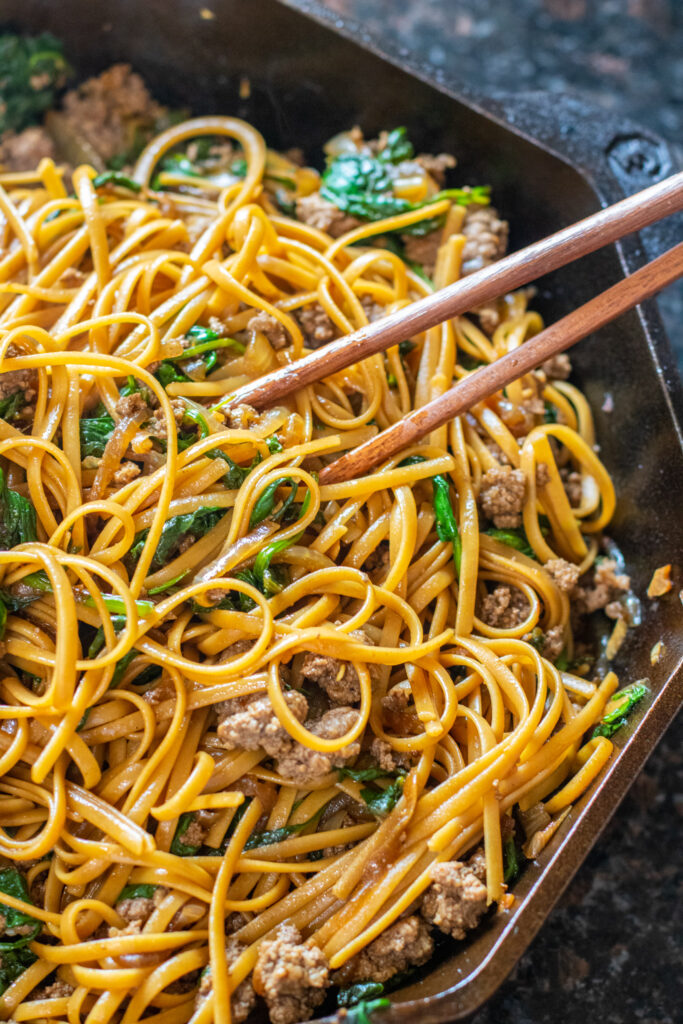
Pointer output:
486, 235
387, 758
502, 496
131, 405
19, 929
407, 943
602, 590
557, 367
292, 976
564, 574
303, 765
571, 480
108, 110
378, 562
423, 249
58, 989
241, 417
12, 381
373, 310
139, 908
477, 862
316, 325
436, 165
272, 328
324, 216
338, 679
542, 474
23, 152
397, 699
505, 608
157, 426
126, 472
198, 829
243, 999
456, 899
553, 643
250, 723
163, 691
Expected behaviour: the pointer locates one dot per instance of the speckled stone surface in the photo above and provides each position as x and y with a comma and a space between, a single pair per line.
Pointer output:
624, 55
612, 951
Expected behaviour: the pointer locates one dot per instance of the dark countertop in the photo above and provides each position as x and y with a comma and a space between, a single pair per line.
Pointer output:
611, 950
624, 55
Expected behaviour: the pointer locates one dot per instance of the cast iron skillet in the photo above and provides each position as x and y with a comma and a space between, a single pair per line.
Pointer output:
550, 161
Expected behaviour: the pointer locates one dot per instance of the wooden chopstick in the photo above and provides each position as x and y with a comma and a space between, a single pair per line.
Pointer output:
489, 379
515, 270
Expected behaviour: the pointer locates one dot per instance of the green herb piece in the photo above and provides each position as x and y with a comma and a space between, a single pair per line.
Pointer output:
263, 509
17, 517
178, 847
391, 379
239, 168
550, 413
511, 862
135, 892
175, 530
13, 883
562, 661
360, 992
167, 586
33, 71
13, 963
446, 523
11, 405
628, 698
117, 605
397, 147
95, 432
3, 617
363, 774
406, 347
117, 178
268, 582
382, 801
276, 835
514, 538
362, 1012
167, 373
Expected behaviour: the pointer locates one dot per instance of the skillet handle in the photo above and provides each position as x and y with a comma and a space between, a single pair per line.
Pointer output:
617, 156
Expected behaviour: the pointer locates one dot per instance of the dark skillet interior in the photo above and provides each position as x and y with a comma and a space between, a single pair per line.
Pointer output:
309, 83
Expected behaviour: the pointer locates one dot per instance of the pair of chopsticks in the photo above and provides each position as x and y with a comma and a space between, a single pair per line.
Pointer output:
514, 271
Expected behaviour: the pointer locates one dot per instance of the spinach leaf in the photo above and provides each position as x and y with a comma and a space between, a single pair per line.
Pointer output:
268, 582
263, 509
362, 1011
276, 835
363, 774
10, 406
17, 517
13, 883
512, 864
13, 963
33, 71
117, 178
168, 373
446, 523
133, 892
382, 801
397, 147
95, 432
178, 847
175, 530
628, 698
360, 992
514, 538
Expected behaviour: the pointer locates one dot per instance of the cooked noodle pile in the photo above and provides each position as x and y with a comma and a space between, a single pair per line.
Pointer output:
233, 699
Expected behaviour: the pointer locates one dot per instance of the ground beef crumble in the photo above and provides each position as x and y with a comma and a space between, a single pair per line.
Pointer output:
456, 899
243, 999
557, 367
303, 764
602, 589
325, 216
387, 758
502, 496
24, 151
487, 237
504, 608
291, 975
338, 679
272, 328
250, 723
407, 943
317, 327
564, 574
